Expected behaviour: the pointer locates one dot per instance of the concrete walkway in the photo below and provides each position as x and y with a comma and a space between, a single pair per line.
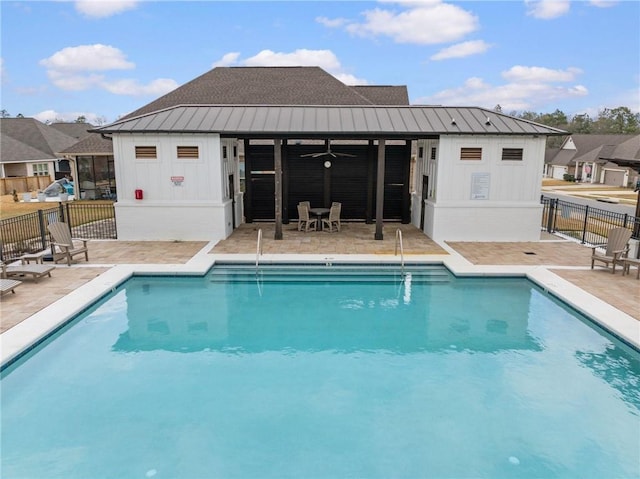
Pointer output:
566, 259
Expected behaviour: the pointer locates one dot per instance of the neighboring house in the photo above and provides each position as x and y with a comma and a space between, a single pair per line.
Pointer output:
96, 177
478, 172
606, 159
31, 148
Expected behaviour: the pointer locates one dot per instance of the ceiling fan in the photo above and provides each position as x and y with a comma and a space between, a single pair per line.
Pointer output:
327, 152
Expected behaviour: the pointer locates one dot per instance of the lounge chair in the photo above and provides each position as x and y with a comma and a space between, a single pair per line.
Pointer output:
304, 221
7, 285
36, 271
68, 246
334, 217
617, 248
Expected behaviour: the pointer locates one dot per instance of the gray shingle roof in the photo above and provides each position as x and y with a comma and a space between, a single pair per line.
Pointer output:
594, 147
269, 86
27, 139
329, 121
94, 144
384, 95
76, 130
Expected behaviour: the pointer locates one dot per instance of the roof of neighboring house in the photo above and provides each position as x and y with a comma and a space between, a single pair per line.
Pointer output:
392, 122
628, 150
27, 139
94, 144
76, 130
272, 86
590, 148
549, 154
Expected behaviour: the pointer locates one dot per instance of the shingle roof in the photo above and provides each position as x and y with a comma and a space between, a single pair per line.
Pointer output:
270, 86
596, 147
384, 95
94, 144
76, 130
27, 139
392, 122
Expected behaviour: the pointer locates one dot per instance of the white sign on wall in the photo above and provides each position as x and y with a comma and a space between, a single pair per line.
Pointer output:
177, 180
480, 186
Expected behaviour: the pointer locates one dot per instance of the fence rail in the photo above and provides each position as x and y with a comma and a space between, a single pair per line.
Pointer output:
585, 223
28, 233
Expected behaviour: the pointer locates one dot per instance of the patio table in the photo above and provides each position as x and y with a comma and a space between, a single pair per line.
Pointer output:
319, 213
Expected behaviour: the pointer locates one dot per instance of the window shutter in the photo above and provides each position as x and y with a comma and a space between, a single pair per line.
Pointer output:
471, 154
512, 154
146, 152
188, 152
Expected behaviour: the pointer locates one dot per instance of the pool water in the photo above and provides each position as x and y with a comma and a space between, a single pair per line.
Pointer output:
311, 373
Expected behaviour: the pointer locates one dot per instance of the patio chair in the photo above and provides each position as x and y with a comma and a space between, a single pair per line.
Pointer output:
36, 271
617, 248
7, 285
304, 221
68, 247
334, 217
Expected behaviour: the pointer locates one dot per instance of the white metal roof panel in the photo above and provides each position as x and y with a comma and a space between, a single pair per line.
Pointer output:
329, 121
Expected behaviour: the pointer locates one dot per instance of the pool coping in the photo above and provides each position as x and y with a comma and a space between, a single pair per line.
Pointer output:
30, 332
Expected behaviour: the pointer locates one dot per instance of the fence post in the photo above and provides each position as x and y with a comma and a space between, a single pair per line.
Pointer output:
68, 215
43, 237
550, 214
626, 217
584, 226
61, 212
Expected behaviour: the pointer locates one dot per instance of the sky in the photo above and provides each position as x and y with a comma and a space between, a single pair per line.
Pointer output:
102, 59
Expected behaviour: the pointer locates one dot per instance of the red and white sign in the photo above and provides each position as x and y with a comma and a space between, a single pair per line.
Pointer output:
177, 180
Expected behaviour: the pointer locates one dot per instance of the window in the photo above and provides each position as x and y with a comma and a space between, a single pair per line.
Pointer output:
512, 154
146, 152
41, 169
224, 152
471, 154
188, 152
421, 152
433, 153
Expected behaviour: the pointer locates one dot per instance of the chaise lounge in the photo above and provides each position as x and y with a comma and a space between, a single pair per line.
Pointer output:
36, 271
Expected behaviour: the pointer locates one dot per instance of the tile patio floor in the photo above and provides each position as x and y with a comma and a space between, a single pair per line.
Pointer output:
566, 259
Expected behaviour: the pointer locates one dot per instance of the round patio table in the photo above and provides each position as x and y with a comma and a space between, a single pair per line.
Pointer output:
319, 213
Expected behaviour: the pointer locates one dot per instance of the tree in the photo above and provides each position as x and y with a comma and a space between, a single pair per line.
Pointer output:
4, 114
497, 108
617, 120
581, 123
81, 119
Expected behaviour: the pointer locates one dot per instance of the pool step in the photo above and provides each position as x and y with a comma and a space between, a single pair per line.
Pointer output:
323, 273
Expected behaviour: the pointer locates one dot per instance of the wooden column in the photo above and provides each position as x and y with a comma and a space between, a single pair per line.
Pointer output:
380, 190
248, 190
277, 160
371, 181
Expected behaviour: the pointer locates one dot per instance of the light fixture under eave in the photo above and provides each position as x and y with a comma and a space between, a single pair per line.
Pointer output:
328, 152
327, 164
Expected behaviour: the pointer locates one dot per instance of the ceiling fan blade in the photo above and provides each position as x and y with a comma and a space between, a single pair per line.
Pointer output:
346, 155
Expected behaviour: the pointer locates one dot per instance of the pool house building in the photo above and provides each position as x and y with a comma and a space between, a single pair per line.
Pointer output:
247, 144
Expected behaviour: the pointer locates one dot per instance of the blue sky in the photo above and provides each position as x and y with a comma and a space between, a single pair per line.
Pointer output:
105, 58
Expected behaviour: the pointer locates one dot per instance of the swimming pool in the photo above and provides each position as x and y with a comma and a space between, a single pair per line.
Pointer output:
306, 373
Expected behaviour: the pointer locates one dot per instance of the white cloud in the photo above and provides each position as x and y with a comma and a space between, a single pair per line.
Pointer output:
85, 66
520, 73
547, 9
134, 88
514, 95
52, 115
324, 59
95, 57
428, 22
462, 50
228, 59
104, 8
603, 3
332, 22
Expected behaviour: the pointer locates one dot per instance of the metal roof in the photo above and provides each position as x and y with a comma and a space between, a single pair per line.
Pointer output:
271, 121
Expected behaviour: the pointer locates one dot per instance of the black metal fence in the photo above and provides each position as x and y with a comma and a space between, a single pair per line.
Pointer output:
585, 223
28, 233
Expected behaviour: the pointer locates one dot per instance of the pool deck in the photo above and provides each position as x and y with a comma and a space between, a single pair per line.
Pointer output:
558, 265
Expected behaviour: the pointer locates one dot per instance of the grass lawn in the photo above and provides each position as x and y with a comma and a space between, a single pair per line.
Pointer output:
9, 208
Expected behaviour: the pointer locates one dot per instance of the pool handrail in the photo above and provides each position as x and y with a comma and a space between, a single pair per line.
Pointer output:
399, 242
258, 249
